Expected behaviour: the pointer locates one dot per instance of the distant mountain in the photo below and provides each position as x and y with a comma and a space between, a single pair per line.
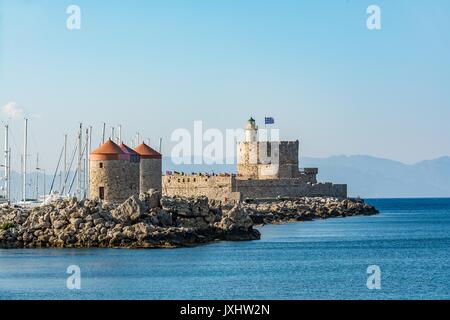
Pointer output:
376, 177
366, 176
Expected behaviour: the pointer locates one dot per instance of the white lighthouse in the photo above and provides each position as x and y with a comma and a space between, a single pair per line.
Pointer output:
251, 131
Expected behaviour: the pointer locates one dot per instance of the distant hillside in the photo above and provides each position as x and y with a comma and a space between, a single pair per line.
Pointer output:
375, 177
367, 176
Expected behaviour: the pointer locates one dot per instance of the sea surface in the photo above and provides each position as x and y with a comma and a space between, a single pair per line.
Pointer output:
325, 259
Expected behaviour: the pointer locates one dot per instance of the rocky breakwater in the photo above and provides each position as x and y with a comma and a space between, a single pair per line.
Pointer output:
145, 222
304, 209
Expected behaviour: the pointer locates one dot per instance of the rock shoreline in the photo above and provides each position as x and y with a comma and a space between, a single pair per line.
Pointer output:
279, 211
145, 222
152, 221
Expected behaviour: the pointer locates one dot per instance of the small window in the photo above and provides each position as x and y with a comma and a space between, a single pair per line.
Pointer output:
101, 193
100, 165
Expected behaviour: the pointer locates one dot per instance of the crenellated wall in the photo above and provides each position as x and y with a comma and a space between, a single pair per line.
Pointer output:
226, 188
288, 188
268, 160
214, 187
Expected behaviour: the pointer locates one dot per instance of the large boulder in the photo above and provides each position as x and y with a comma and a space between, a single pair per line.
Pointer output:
236, 218
138, 231
130, 211
188, 207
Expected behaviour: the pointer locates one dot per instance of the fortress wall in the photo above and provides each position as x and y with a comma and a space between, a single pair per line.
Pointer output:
326, 189
340, 190
247, 159
288, 159
308, 177
252, 164
247, 170
269, 188
289, 152
288, 171
268, 171
230, 188
288, 188
214, 187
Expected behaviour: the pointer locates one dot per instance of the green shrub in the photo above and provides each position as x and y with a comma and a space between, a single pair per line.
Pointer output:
6, 226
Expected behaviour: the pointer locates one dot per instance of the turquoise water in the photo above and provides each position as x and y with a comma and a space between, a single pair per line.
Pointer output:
327, 259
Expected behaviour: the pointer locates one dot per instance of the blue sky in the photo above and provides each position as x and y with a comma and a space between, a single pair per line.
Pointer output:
155, 66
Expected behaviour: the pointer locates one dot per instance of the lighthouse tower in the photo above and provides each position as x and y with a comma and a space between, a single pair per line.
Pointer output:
247, 152
251, 131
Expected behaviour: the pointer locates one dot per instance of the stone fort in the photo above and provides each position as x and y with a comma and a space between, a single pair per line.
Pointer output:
265, 169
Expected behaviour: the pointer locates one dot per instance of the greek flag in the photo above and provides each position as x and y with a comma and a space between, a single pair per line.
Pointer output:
269, 120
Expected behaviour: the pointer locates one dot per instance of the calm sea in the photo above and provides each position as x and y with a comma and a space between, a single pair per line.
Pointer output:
409, 241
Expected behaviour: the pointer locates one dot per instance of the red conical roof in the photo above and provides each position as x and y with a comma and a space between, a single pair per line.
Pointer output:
146, 152
108, 151
127, 149
130, 153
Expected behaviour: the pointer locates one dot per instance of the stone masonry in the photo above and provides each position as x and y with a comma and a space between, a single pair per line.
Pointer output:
150, 174
118, 178
264, 170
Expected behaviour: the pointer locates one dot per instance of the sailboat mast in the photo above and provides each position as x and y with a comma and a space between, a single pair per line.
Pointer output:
9, 174
24, 159
103, 133
88, 173
80, 133
6, 164
86, 157
65, 164
37, 176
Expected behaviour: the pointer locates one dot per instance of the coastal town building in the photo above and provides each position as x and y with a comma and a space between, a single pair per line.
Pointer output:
265, 169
